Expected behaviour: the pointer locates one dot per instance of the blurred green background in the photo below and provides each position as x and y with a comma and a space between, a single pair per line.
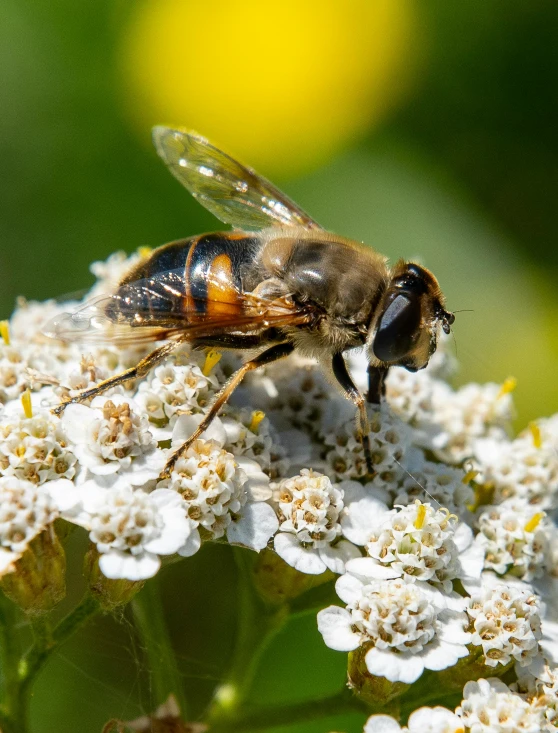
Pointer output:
426, 130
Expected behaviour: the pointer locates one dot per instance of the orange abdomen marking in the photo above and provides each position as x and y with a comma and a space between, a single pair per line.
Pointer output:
213, 274
222, 295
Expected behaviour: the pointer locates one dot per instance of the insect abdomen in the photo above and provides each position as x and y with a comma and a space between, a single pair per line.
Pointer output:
213, 272
206, 269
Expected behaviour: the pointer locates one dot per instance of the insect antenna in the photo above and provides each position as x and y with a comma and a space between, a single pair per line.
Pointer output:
463, 310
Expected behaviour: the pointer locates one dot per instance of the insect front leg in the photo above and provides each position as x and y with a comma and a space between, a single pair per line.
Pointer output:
351, 392
279, 351
376, 384
140, 370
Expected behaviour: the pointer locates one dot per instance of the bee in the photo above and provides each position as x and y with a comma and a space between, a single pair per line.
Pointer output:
276, 283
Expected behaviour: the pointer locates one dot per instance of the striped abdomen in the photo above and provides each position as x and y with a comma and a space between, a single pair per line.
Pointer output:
194, 278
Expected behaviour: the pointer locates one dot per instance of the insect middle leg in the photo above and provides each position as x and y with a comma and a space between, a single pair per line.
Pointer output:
140, 370
267, 357
351, 392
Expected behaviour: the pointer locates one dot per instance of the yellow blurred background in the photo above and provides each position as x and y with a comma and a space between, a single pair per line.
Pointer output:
287, 87
426, 130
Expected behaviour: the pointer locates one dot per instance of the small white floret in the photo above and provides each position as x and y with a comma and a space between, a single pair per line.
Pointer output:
309, 537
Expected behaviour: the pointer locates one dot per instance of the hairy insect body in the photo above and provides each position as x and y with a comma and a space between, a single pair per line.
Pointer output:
213, 273
338, 278
278, 282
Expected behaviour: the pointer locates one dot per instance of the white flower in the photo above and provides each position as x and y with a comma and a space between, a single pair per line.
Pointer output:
427, 480
489, 706
365, 508
173, 389
413, 397
34, 448
110, 272
26, 509
382, 724
309, 536
515, 539
506, 623
130, 528
474, 411
250, 434
72, 378
423, 720
522, 469
13, 379
301, 393
415, 542
389, 439
407, 627
223, 433
445, 421
434, 720
539, 684
110, 437
219, 496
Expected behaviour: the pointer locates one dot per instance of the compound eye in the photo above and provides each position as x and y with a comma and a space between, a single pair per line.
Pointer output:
398, 330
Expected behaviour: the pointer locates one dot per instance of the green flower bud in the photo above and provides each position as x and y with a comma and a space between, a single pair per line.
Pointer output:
38, 582
371, 689
469, 669
109, 593
277, 582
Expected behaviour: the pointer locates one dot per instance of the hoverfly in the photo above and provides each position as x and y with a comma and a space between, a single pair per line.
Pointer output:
276, 283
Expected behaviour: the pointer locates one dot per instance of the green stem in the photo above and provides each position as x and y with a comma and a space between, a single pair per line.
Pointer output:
256, 719
9, 657
150, 623
44, 644
257, 626
445, 699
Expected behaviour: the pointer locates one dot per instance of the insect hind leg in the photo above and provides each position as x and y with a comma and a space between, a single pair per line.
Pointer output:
140, 370
279, 351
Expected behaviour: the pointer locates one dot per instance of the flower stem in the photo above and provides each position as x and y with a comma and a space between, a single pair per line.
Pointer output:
44, 643
255, 719
258, 623
9, 656
150, 623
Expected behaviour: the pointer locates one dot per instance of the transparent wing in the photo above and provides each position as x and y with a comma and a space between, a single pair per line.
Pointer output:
159, 308
233, 193
90, 324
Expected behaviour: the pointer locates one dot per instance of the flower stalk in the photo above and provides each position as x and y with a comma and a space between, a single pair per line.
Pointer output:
150, 623
18, 673
251, 720
257, 625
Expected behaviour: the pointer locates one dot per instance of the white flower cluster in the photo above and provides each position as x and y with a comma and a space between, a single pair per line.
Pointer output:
488, 706
310, 534
25, 510
446, 550
506, 623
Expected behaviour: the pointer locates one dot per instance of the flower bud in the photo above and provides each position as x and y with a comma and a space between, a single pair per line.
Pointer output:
38, 581
109, 593
369, 688
277, 582
469, 669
